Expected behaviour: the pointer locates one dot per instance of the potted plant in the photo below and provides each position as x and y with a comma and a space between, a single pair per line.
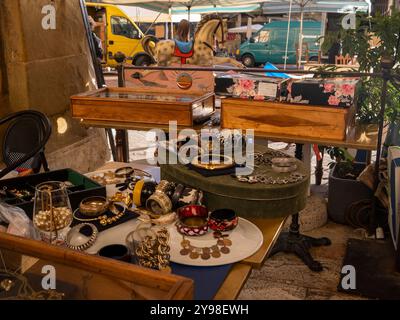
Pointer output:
373, 38
345, 189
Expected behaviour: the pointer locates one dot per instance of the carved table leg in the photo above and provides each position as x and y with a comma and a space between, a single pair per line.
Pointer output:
294, 242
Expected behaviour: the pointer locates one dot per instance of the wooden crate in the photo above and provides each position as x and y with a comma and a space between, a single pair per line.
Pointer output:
127, 105
82, 276
290, 119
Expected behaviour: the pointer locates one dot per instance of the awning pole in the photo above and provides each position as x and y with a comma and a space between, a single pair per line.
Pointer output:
287, 34
301, 33
172, 23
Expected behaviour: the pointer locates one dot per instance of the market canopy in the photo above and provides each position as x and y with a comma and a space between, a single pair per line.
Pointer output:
195, 6
312, 6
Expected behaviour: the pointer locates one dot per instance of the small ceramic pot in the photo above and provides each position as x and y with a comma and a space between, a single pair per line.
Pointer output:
193, 220
223, 220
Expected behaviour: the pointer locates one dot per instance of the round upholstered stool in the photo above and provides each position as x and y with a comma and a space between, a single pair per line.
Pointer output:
257, 200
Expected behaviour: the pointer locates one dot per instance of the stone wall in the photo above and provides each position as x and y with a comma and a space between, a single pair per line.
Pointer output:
40, 69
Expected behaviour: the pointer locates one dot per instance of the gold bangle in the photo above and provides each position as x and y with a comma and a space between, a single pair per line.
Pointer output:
137, 192
93, 206
124, 172
88, 219
159, 203
213, 162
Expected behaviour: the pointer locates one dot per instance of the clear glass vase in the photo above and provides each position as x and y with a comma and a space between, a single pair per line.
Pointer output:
52, 214
149, 246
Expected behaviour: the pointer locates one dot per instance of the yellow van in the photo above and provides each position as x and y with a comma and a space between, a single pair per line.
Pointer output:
118, 33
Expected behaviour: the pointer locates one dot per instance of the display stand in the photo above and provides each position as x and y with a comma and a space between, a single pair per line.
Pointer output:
294, 242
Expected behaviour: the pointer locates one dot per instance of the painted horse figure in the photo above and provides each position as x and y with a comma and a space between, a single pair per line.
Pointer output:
212, 27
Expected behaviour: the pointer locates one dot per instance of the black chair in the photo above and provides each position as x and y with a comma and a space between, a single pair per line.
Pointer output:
24, 141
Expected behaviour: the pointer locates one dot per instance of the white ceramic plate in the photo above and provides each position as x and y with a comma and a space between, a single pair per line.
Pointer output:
246, 240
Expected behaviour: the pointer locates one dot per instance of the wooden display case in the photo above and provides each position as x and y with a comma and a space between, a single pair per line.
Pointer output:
143, 106
296, 120
82, 276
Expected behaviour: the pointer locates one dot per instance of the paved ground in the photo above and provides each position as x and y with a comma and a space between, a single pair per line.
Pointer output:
285, 277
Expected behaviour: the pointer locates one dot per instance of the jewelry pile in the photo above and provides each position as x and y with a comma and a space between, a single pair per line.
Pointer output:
51, 220
278, 162
153, 250
104, 219
221, 247
292, 178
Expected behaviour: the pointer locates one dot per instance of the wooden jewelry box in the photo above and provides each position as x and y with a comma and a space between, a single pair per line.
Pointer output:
299, 120
143, 106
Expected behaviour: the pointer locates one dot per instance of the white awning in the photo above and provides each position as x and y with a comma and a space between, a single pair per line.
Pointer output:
313, 6
202, 6
141, 15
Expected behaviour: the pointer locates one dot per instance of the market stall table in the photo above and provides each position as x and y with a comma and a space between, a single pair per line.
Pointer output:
239, 272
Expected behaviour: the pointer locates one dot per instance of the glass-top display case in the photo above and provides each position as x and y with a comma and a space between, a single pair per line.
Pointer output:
128, 105
71, 275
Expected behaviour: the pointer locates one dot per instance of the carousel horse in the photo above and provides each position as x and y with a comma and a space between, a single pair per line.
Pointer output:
212, 27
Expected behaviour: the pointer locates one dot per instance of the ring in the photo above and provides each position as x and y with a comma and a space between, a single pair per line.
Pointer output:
76, 230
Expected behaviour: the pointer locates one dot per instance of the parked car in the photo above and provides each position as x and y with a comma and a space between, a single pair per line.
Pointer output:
118, 33
269, 43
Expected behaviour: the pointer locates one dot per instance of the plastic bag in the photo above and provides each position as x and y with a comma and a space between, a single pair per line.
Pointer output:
18, 222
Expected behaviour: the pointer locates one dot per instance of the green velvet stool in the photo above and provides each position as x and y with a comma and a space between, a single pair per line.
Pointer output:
248, 200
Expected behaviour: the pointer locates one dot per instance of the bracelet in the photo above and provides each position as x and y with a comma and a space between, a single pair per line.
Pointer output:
124, 172
93, 206
76, 230
137, 192
284, 169
283, 162
159, 203
141, 173
104, 219
177, 194
142, 191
